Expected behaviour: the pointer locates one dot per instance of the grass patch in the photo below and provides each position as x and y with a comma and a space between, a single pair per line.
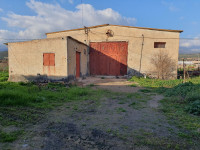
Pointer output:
27, 103
3, 76
9, 137
146, 138
134, 95
152, 83
145, 90
181, 105
120, 109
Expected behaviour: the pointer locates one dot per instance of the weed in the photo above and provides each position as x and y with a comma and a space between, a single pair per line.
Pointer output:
135, 95
91, 85
9, 137
120, 109
75, 108
133, 85
84, 124
145, 90
161, 83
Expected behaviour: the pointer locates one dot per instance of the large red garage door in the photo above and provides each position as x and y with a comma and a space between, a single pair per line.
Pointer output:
108, 58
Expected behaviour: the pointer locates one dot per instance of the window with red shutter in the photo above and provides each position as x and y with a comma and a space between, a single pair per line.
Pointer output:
49, 59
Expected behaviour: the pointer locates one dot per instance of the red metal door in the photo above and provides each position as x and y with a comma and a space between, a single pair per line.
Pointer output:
108, 58
77, 64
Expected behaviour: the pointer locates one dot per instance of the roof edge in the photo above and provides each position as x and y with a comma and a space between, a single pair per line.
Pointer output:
168, 30
77, 40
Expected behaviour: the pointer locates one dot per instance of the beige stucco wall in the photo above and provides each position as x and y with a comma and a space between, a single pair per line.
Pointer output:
72, 47
26, 59
134, 38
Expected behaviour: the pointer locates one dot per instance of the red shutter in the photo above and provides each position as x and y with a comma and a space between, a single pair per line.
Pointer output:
46, 59
49, 59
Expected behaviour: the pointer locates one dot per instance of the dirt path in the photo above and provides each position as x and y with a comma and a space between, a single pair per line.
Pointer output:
129, 120
111, 84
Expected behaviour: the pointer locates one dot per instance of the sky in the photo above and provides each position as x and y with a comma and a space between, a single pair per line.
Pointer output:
31, 19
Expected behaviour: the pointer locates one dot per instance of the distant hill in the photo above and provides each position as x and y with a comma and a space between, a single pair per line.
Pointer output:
181, 56
3, 54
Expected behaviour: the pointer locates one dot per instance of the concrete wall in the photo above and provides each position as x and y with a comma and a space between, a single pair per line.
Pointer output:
134, 38
72, 47
26, 59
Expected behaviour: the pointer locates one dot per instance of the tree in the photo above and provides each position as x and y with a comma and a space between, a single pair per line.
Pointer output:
164, 65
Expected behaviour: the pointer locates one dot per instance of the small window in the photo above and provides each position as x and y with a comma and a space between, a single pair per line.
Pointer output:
159, 44
49, 59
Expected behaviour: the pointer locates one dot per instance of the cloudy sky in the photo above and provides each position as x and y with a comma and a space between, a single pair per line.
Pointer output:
30, 19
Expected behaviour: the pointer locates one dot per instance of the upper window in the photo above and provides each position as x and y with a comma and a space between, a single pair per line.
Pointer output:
159, 44
49, 59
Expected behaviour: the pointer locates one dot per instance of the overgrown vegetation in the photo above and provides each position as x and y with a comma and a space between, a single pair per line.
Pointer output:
3, 76
182, 102
157, 83
164, 65
9, 137
22, 103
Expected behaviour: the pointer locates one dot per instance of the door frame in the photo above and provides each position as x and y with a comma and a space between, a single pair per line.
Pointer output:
78, 73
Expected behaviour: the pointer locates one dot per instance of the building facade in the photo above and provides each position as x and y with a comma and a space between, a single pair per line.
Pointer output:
101, 50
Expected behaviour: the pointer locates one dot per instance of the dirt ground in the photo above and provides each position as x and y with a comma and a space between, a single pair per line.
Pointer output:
110, 83
128, 119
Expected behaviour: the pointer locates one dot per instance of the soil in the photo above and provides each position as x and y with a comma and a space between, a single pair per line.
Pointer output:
110, 83
111, 123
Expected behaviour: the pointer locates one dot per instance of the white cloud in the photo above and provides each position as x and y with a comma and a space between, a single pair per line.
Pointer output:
1, 10
189, 43
170, 6
195, 50
5, 34
51, 18
71, 1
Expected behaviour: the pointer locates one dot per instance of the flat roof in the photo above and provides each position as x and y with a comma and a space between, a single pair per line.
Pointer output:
168, 30
49, 39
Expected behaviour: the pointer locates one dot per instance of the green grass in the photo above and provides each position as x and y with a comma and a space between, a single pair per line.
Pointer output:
27, 103
3, 76
187, 92
181, 104
155, 83
31, 95
9, 137
120, 109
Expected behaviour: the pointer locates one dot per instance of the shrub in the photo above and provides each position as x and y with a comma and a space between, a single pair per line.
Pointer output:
194, 107
181, 89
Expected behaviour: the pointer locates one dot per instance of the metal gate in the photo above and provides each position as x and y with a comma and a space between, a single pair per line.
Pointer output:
108, 58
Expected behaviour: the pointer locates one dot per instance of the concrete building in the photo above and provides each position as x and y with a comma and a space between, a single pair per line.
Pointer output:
98, 50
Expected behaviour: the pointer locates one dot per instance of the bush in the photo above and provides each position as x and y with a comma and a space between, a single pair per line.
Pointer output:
193, 96
194, 107
181, 89
188, 93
